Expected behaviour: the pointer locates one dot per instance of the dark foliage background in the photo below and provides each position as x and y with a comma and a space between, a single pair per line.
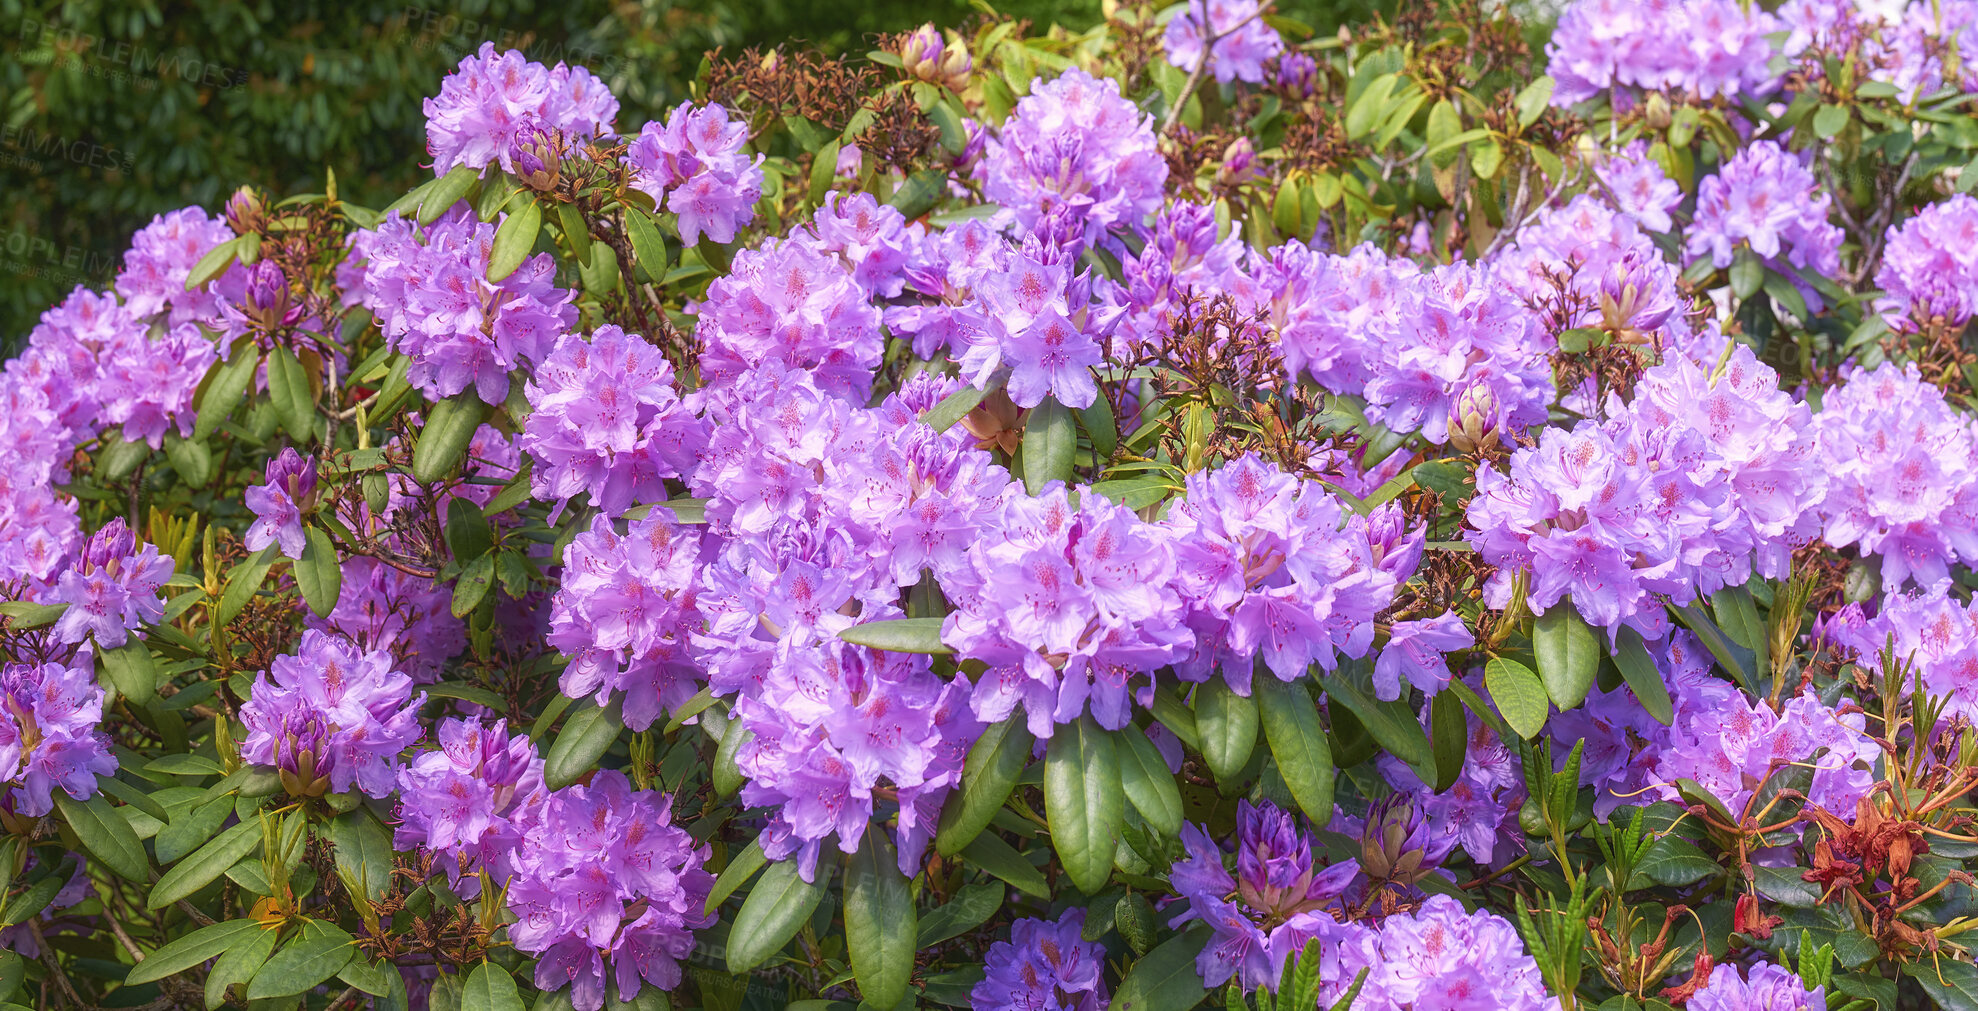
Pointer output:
112, 111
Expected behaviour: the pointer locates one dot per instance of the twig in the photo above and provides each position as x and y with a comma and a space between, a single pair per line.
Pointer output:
1201, 70
54, 966
118, 929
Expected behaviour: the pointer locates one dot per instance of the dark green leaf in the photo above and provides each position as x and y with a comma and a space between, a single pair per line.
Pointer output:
994, 762
443, 439
205, 864
1165, 979
576, 231
989, 852
880, 925
775, 910
952, 408
363, 851
1290, 719
490, 988
191, 827
192, 949
192, 458
319, 574
468, 534
1638, 670
242, 960
210, 266
648, 245
1674, 862
1392, 724
243, 581
1747, 273
920, 193
1083, 802
1449, 737
131, 671
473, 585
105, 834
1568, 652
374, 978
1228, 725
969, 909
1050, 439
586, 735
1148, 783
288, 387
314, 956
741, 867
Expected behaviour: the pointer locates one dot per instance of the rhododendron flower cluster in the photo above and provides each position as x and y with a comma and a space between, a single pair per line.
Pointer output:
111, 588
605, 875
695, 164
496, 98
50, 736
1043, 965
1074, 147
331, 716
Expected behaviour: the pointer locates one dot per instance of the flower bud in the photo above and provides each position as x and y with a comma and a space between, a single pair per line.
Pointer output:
246, 211
920, 51
266, 295
1658, 112
1239, 162
532, 152
1395, 844
1473, 418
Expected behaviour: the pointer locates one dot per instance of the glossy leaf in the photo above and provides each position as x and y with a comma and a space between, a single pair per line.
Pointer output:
880, 921
777, 907
1083, 801
1290, 718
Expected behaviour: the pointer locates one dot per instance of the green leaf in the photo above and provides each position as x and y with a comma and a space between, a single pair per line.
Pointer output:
1290, 720
42, 887
741, 867
318, 573
727, 775
1532, 100
130, 669
1737, 614
1050, 439
447, 190
1393, 725
1228, 725
191, 826
24, 614
586, 735
449, 427
1830, 120
1674, 862
1449, 737
952, 408
1581, 339
363, 851
374, 978
515, 237
1568, 652
1148, 783
970, 908
241, 961
192, 949
648, 245
1165, 979
1101, 427
899, 635
775, 910
920, 193
994, 762
1518, 694
105, 834
216, 260
1638, 670
490, 988
192, 458
880, 922
314, 956
1747, 273
473, 585
989, 852
288, 387
468, 534
576, 231
1083, 802
205, 864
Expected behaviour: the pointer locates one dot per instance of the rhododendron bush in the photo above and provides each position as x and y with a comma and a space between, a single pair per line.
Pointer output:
1181, 513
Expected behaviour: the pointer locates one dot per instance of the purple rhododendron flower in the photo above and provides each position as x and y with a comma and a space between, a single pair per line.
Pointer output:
280, 501
111, 589
1044, 966
331, 715
1415, 651
606, 875
493, 96
695, 166
1244, 42
1764, 987
468, 799
607, 422
49, 733
624, 613
1075, 143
